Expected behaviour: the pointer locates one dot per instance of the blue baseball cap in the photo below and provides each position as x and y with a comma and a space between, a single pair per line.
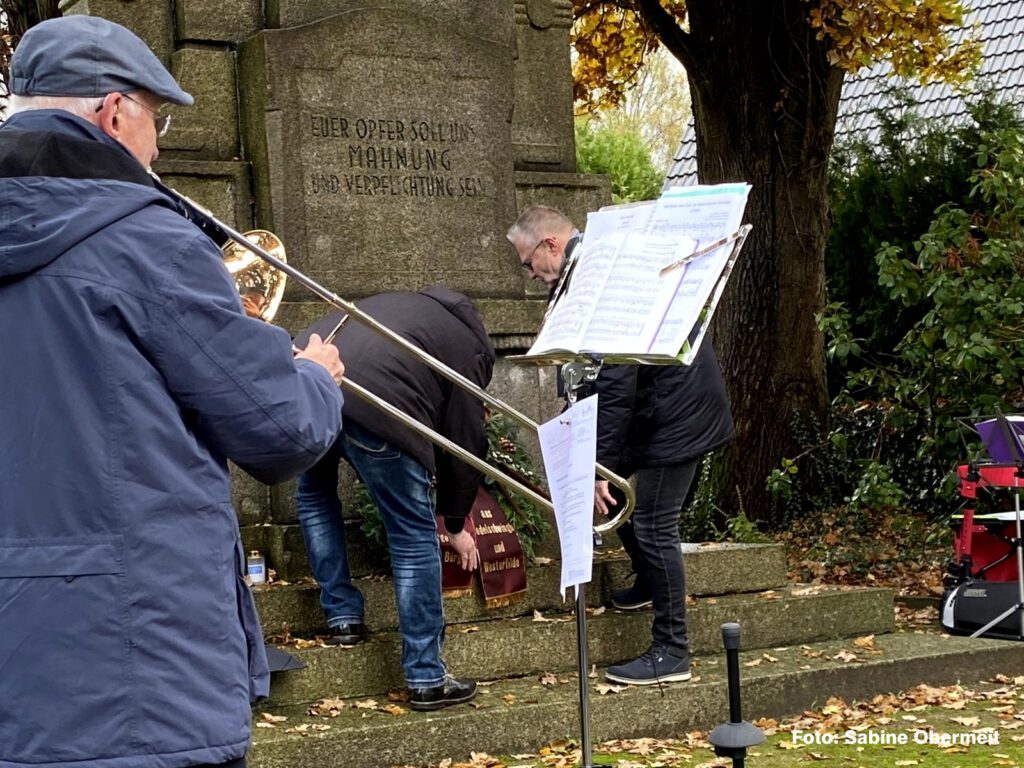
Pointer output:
88, 56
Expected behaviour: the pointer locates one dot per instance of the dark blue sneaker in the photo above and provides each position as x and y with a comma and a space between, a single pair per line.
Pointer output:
655, 665
634, 598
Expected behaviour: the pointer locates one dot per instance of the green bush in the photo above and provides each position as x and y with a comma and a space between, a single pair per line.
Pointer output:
920, 329
622, 155
886, 190
701, 516
963, 356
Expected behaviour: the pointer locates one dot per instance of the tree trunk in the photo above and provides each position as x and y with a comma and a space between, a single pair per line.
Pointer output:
765, 102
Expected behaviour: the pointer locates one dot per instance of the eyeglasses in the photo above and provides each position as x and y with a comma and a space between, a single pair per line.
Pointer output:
527, 263
161, 122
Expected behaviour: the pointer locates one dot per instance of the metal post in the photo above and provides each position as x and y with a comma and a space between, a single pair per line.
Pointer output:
574, 376
732, 739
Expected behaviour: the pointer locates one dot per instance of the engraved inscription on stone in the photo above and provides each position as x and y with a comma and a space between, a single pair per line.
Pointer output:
382, 149
414, 156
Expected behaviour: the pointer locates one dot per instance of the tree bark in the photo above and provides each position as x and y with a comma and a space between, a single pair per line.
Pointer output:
764, 102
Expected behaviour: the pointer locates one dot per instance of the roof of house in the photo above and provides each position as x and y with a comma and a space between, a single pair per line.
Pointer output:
1002, 33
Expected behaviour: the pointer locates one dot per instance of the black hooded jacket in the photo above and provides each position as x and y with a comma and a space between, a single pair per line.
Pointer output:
445, 325
656, 415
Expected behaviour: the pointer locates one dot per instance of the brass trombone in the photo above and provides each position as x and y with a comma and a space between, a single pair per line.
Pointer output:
272, 289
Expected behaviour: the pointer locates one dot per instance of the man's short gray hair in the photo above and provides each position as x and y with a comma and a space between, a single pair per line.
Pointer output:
537, 220
83, 106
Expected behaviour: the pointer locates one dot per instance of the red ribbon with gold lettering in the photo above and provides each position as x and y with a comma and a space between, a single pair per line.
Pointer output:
502, 563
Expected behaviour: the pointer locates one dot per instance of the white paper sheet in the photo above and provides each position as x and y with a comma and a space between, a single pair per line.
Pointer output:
568, 444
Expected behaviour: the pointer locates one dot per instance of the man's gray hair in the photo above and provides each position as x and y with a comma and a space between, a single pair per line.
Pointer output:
539, 220
83, 106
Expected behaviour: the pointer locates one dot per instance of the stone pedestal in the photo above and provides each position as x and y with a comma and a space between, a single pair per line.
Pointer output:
390, 143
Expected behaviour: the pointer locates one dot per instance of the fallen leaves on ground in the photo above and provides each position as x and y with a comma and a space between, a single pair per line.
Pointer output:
334, 707
916, 618
329, 707
538, 616
899, 550
838, 715
815, 589
285, 639
304, 728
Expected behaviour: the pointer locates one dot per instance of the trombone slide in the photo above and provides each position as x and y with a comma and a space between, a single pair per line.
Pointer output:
431, 362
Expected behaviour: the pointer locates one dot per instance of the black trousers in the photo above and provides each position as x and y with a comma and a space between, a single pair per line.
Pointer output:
651, 538
239, 763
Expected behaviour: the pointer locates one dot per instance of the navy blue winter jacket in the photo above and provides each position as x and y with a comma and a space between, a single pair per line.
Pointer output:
129, 375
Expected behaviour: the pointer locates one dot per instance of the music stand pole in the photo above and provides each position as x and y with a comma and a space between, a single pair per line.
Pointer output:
586, 750
1013, 443
574, 376
1020, 545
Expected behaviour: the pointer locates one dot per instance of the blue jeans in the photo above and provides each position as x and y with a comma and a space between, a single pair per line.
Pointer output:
400, 487
651, 538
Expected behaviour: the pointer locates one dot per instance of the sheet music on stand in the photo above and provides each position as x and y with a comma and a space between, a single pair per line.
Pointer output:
645, 281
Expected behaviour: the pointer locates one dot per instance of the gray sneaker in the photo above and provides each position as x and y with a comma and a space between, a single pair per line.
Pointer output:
655, 665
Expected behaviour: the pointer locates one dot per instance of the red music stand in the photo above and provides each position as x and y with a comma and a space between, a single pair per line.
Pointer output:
1004, 439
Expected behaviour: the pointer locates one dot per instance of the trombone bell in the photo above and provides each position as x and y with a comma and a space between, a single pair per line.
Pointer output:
260, 284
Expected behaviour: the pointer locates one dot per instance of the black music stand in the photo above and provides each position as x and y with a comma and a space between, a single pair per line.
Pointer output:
1006, 446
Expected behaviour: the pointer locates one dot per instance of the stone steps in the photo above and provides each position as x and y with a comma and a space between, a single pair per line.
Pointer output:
520, 715
510, 647
714, 569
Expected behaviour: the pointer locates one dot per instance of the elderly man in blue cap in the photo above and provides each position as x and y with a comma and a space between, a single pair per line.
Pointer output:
131, 375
